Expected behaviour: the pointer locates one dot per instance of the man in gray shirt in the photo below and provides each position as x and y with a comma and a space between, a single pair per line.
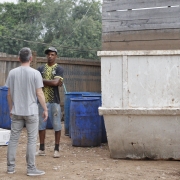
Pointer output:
24, 87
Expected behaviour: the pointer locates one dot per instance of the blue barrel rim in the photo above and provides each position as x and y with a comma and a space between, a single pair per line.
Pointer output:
74, 93
91, 95
4, 88
85, 99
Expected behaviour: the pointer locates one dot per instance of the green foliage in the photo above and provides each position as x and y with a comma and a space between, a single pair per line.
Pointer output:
19, 22
73, 27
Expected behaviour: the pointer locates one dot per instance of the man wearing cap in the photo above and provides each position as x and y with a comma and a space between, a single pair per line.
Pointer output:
52, 75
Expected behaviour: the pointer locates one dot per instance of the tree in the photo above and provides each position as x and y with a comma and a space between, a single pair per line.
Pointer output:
57, 21
22, 1
20, 23
87, 36
73, 27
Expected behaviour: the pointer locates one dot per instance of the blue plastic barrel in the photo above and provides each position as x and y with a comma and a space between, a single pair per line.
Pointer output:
67, 102
5, 120
104, 135
85, 122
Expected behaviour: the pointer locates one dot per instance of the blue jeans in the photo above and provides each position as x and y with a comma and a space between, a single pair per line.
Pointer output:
54, 116
17, 125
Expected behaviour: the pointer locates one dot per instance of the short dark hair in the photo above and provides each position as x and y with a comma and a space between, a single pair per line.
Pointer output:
25, 54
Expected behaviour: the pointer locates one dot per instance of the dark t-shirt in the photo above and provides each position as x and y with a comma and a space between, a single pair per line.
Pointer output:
51, 93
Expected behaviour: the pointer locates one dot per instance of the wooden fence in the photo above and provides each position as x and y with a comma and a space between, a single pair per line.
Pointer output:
141, 24
79, 74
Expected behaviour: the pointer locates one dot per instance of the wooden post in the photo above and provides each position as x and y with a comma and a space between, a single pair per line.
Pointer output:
34, 60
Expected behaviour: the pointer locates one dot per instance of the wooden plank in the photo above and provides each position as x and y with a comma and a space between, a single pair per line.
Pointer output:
136, 4
142, 14
9, 59
2, 73
71, 61
158, 23
147, 35
87, 63
142, 45
34, 60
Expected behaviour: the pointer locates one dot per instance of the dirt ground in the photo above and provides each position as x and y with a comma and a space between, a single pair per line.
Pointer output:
93, 163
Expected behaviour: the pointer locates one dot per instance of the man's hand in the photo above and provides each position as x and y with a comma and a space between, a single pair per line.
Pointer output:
42, 101
60, 83
45, 115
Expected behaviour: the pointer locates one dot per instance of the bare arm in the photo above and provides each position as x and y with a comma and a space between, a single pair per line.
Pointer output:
41, 99
54, 82
10, 103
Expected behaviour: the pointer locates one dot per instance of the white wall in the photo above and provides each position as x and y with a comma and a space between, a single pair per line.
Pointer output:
141, 103
141, 81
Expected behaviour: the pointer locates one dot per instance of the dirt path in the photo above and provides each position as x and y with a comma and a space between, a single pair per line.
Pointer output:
78, 163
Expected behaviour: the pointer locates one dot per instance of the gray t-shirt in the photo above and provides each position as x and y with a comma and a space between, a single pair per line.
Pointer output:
23, 82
